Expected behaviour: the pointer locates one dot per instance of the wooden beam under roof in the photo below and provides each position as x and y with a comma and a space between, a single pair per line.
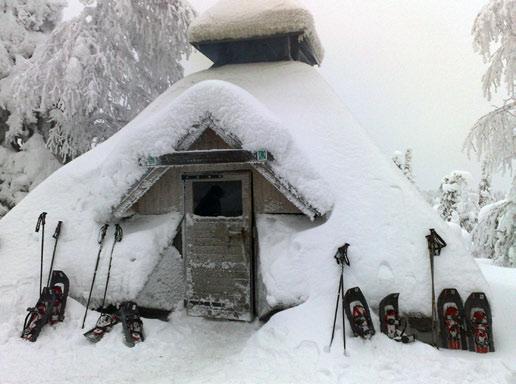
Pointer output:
214, 156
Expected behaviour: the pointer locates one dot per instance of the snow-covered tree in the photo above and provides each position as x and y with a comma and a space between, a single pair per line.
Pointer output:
396, 158
23, 25
495, 235
458, 202
97, 71
493, 137
407, 166
484, 188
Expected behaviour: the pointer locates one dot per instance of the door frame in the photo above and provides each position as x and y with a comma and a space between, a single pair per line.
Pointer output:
252, 247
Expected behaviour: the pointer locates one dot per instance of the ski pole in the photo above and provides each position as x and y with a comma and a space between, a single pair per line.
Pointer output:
119, 234
435, 244
100, 241
342, 258
57, 232
41, 224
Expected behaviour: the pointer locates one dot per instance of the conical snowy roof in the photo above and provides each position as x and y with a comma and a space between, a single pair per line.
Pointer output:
288, 109
250, 19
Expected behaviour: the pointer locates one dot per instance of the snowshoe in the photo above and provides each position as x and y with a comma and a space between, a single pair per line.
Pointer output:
390, 322
105, 324
133, 325
451, 320
38, 316
357, 312
50, 307
479, 323
60, 285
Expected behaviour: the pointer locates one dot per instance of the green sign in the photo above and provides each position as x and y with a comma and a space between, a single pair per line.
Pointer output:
261, 155
152, 161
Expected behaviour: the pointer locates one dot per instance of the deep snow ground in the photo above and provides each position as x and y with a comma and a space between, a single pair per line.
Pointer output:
193, 350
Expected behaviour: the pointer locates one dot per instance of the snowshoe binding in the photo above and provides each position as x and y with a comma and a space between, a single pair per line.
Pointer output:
357, 312
451, 320
105, 324
133, 325
49, 308
38, 316
479, 323
390, 322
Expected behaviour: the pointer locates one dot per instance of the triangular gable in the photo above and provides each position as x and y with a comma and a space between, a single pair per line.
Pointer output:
207, 124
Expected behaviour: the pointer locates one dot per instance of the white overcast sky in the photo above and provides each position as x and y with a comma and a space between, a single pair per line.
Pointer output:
407, 71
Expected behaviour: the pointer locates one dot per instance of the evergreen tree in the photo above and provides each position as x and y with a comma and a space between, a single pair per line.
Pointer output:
495, 235
484, 189
457, 202
493, 136
97, 71
396, 158
23, 25
407, 167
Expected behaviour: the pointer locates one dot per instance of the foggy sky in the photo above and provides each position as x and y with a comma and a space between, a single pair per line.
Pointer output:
407, 71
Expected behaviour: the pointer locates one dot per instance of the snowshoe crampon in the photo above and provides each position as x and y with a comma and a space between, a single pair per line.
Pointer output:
390, 322
358, 314
479, 323
133, 325
50, 307
451, 320
105, 324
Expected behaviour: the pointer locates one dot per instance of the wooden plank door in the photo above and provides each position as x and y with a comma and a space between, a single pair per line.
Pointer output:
218, 244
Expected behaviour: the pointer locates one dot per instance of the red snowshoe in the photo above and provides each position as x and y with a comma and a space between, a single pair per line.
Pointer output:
105, 324
133, 325
357, 312
390, 322
451, 320
49, 308
478, 320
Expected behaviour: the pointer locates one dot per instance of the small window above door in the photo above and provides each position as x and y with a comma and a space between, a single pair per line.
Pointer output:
217, 198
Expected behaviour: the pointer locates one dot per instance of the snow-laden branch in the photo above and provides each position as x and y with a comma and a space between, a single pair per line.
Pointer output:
493, 137
96, 72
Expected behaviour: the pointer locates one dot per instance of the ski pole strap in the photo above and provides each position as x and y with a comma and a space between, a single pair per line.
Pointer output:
57, 232
119, 233
435, 243
41, 221
342, 255
102, 233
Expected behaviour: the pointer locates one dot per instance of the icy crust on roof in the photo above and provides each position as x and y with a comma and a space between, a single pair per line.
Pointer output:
246, 19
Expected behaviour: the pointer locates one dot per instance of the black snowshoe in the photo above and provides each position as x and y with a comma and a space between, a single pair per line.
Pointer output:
479, 323
105, 324
133, 325
50, 307
60, 285
390, 322
357, 312
451, 320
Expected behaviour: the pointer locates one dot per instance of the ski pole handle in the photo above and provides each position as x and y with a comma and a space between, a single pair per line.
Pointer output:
342, 255
57, 232
102, 233
41, 221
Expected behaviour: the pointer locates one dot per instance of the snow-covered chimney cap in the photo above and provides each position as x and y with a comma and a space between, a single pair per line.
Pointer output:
233, 20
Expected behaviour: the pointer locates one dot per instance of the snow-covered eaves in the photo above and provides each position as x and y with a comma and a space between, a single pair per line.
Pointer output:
231, 20
158, 166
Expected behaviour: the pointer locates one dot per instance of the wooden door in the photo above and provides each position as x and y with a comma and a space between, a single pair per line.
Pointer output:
218, 244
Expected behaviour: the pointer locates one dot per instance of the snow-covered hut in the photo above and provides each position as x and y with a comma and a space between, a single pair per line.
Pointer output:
236, 186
